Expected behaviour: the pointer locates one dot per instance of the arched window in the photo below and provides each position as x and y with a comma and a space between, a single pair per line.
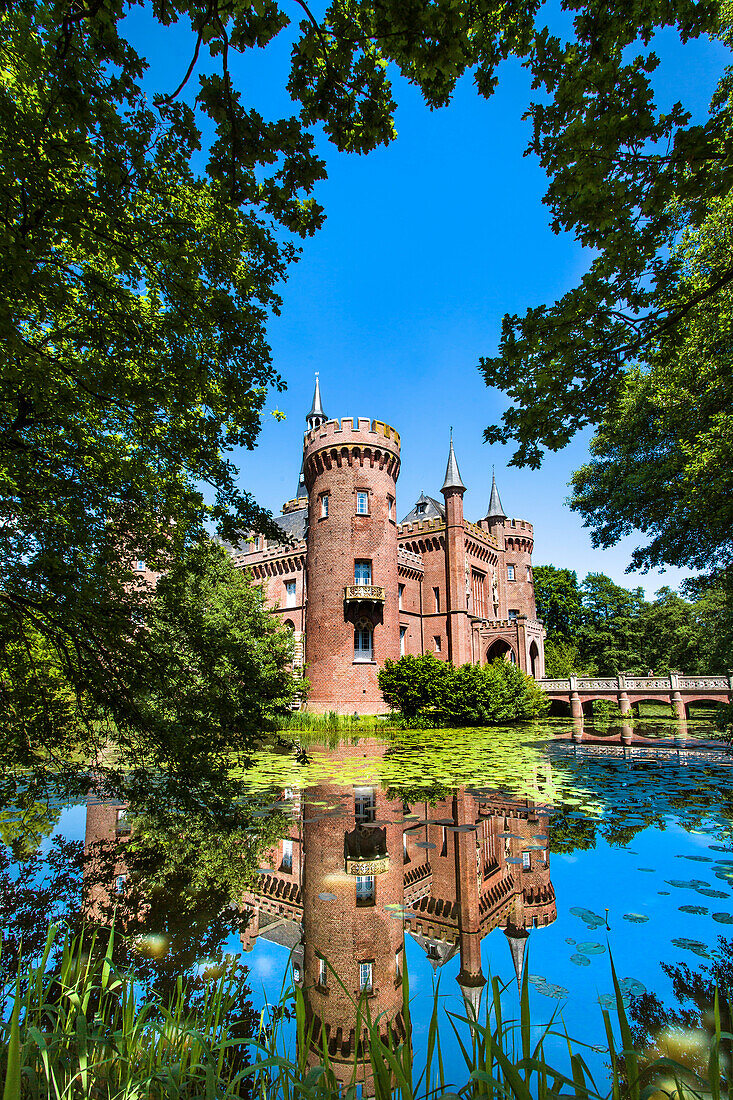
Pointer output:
363, 647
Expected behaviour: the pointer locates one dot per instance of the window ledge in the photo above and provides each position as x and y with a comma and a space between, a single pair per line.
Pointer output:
364, 661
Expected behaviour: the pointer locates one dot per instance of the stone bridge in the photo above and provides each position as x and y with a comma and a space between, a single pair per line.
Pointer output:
676, 689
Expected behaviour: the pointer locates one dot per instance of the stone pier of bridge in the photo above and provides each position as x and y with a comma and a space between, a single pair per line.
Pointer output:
676, 689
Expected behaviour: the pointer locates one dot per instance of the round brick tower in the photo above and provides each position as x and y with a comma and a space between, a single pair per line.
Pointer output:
352, 618
353, 941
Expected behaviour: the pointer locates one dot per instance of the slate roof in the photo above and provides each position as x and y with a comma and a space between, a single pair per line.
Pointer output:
434, 509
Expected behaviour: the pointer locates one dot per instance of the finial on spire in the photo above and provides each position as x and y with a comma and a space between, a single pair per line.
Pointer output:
452, 473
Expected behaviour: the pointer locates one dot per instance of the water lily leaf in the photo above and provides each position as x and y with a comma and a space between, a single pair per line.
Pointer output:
695, 946
697, 910
580, 960
636, 918
723, 918
591, 948
327, 897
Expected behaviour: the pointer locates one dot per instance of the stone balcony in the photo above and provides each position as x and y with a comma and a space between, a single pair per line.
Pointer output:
364, 594
375, 864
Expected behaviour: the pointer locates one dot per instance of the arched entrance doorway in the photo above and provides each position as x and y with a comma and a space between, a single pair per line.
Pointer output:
501, 648
534, 659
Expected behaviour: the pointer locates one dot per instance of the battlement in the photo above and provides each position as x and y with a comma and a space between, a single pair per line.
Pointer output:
350, 430
518, 526
294, 505
419, 526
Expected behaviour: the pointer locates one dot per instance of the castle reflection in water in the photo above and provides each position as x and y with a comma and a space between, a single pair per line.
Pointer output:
360, 870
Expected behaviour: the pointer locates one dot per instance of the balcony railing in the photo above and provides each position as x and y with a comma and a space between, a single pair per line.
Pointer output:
364, 593
367, 865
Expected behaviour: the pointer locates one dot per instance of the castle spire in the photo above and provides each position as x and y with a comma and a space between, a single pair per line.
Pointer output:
452, 473
316, 416
496, 511
517, 938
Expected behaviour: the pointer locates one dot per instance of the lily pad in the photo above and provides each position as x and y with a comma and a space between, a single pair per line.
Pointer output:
580, 960
696, 910
570, 940
424, 844
636, 918
327, 897
695, 946
589, 918
632, 987
591, 948
723, 918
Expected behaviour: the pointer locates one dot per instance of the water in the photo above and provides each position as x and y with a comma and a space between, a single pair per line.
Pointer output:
460, 855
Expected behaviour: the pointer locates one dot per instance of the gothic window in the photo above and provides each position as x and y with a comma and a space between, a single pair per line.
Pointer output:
287, 860
290, 593
363, 647
324, 505
437, 643
436, 597
510, 572
400, 594
526, 861
362, 503
390, 507
403, 632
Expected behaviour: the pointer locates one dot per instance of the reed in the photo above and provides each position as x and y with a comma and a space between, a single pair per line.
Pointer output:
84, 1029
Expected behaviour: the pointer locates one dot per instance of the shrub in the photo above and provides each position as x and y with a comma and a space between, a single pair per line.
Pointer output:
470, 695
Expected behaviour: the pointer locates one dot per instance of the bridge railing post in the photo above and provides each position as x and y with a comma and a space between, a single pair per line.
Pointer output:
623, 699
676, 696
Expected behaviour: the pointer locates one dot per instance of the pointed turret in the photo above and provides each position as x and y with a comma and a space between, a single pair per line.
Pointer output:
316, 416
452, 473
517, 938
471, 991
496, 513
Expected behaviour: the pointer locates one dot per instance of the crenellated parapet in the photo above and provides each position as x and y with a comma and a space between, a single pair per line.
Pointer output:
354, 442
518, 535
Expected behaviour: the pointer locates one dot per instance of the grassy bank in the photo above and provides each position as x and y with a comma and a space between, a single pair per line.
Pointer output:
86, 1029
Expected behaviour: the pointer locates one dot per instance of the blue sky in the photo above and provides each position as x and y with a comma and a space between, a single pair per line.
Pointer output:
427, 243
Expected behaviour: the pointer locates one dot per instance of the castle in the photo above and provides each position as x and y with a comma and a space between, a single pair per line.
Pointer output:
356, 586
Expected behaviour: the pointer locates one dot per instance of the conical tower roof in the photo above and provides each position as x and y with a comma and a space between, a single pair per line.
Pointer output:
452, 473
496, 511
517, 945
316, 416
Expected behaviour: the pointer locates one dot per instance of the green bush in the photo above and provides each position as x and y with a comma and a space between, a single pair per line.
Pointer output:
470, 695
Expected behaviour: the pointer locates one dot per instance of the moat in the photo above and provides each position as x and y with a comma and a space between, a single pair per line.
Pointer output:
459, 855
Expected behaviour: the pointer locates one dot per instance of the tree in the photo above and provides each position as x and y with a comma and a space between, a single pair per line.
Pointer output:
671, 634
660, 459
558, 601
610, 633
220, 661
626, 179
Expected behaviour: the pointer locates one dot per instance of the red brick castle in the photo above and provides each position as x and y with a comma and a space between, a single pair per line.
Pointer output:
357, 587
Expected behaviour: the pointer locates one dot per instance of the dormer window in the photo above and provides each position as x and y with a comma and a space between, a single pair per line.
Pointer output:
420, 508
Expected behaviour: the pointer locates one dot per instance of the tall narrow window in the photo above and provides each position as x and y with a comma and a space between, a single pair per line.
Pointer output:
290, 593
287, 862
123, 824
400, 594
390, 507
364, 888
403, 632
140, 566
324, 505
362, 572
322, 971
363, 648
510, 572
526, 861
366, 970
362, 503
365, 805
437, 643
436, 597
444, 841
